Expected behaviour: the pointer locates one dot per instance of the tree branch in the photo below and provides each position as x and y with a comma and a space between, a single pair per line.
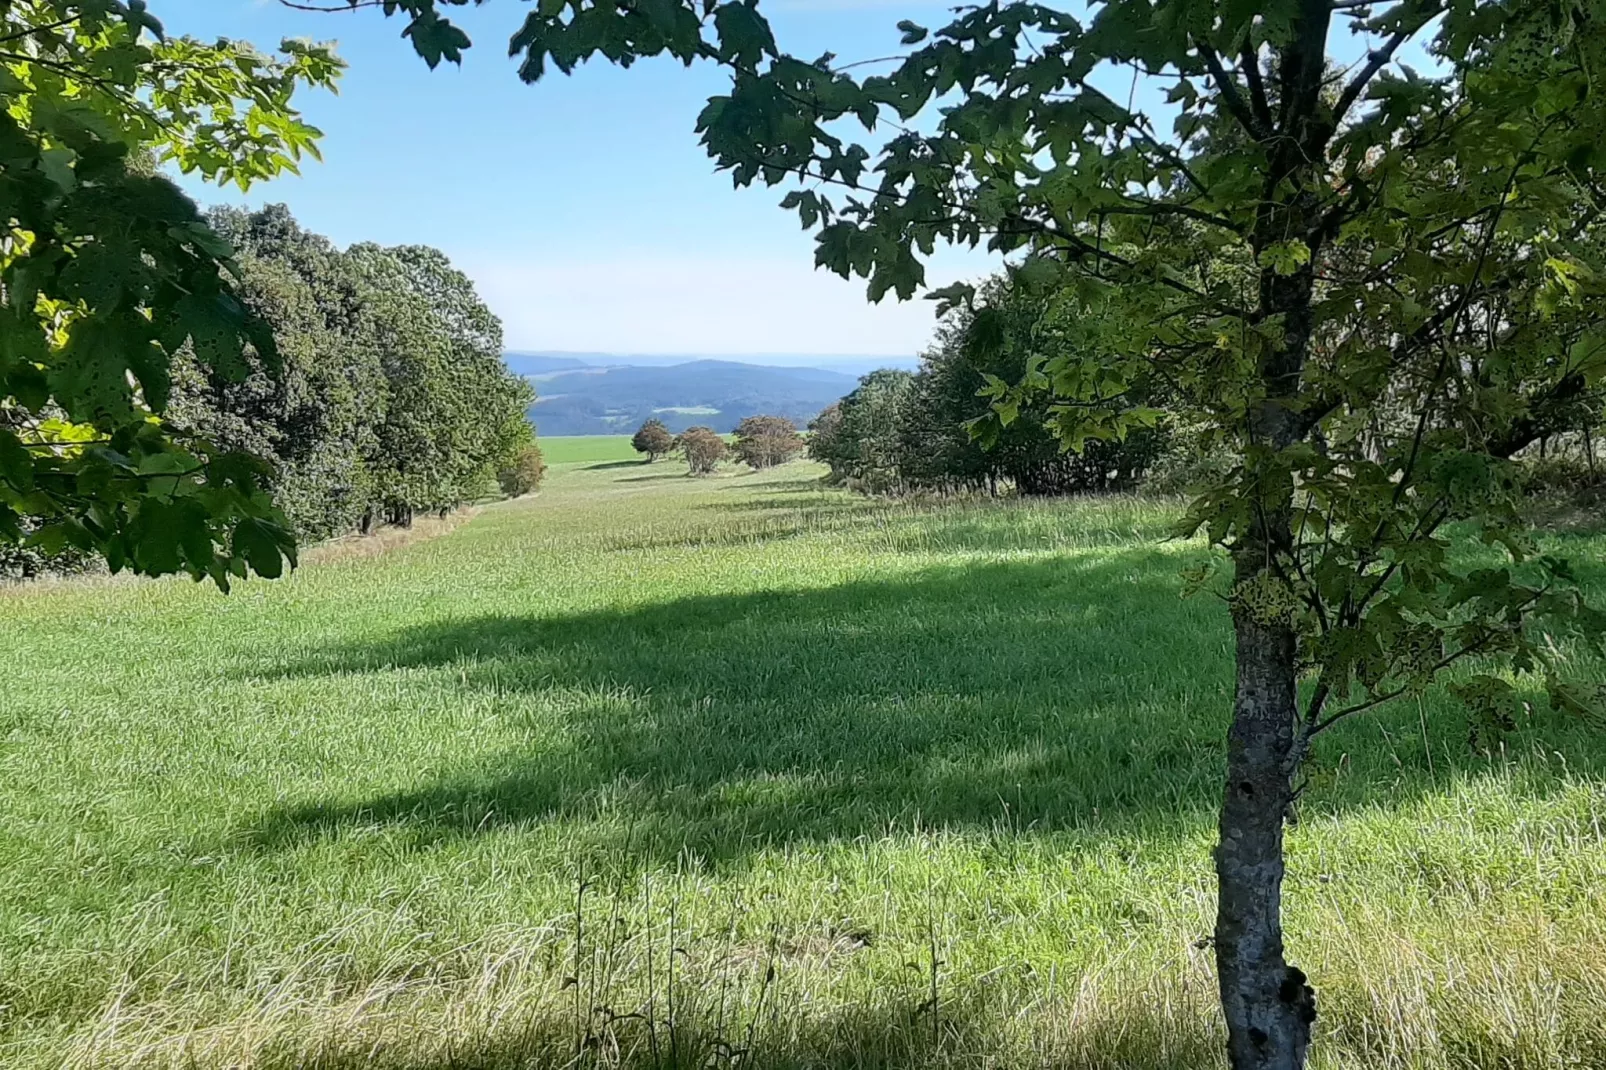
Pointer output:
1529, 429
1437, 667
1160, 208
1086, 248
1258, 101
337, 5
31, 31
1230, 96
1380, 58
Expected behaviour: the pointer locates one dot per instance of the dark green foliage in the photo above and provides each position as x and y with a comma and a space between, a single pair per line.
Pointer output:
825, 442
702, 448
110, 273
861, 436
1000, 339
522, 474
900, 432
21, 561
653, 439
391, 396
766, 441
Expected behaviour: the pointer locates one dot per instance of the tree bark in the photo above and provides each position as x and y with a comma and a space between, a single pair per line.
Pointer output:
1269, 1008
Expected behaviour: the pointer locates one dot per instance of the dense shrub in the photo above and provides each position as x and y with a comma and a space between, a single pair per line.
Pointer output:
901, 432
766, 441
861, 436
522, 474
389, 395
392, 396
653, 439
703, 449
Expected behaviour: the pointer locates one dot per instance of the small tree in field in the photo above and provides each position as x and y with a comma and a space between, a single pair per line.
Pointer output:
1373, 288
766, 441
702, 448
653, 439
522, 474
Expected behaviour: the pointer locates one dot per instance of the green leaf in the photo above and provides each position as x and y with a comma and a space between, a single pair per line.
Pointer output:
1286, 257
16, 463
260, 545
948, 298
436, 39
913, 33
744, 34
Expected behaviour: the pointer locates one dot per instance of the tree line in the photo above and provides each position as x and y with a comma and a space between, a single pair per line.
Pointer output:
392, 398
937, 429
386, 395
902, 432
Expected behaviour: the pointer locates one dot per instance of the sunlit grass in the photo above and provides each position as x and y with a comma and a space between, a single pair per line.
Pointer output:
651, 770
590, 449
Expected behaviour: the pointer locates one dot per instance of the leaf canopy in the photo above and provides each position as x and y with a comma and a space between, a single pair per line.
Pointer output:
108, 272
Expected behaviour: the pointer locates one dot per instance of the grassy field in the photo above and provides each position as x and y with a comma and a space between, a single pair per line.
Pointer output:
587, 449
649, 771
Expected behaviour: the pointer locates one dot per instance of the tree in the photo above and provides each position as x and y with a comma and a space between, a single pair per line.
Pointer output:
314, 421
703, 449
522, 474
653, 439
390, 396
452, 399
766, 441
825, 441
936, 449
1373, 287
859, 436
109, 273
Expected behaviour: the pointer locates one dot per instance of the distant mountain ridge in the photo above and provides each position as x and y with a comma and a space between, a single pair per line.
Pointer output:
599, 394
528, 364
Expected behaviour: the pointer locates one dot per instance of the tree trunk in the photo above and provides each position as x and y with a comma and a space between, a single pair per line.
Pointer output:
1268, 1006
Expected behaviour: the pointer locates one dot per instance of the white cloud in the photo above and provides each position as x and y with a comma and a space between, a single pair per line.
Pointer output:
656, 303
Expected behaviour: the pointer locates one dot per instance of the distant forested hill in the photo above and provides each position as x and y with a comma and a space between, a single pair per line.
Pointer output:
715, 393
528, 364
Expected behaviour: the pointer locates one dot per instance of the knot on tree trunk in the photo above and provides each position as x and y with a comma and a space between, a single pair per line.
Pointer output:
1298, 994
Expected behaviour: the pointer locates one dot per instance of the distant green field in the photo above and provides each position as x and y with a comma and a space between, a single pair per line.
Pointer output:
653, 772
580, 449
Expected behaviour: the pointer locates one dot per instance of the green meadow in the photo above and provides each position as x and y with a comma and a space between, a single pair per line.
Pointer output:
651, 771
580, 449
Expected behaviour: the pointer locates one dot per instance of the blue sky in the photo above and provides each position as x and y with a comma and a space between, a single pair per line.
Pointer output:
583, 207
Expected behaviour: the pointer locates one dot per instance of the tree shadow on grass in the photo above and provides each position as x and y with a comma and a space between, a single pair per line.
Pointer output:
1068, 693
604, 466
1051, 694
899, 1030
659, 476
793, 500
